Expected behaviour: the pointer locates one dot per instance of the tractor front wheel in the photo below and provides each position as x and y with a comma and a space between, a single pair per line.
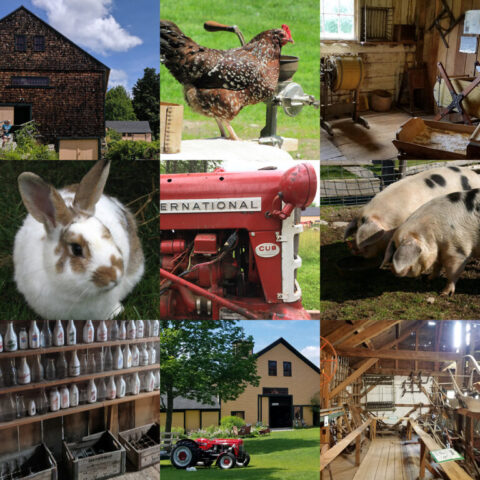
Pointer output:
244, 462
183, 456
226, 461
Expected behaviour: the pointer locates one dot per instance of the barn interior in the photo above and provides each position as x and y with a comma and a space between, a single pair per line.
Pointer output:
400, 400
399, 79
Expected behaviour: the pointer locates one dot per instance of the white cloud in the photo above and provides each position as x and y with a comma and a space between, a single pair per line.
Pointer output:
89, 23
312, 353
118, 77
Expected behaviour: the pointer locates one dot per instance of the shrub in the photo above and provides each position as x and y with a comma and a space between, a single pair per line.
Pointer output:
231, 421
133, 150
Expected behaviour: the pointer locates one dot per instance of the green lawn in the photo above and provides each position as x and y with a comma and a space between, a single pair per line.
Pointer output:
308, 274
252, 18
290, 455
134, 183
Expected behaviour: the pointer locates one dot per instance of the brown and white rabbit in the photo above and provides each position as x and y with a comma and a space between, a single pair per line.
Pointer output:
77, 254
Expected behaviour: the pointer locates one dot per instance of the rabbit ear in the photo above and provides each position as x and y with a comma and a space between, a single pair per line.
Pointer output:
91, 187
42, 201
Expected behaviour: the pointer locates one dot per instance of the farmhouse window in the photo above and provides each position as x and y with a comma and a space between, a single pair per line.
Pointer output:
287, 369
20, 43
272, 368
38, 43
275, 391
337, 19
240, 414
30, 81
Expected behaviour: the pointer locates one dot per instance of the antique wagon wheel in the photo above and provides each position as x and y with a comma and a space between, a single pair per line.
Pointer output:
328, 361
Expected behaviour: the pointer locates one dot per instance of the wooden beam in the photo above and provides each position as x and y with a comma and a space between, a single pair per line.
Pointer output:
327, 457
368, 333
345, 331
350, 379
406, 372
453, 470
399, 354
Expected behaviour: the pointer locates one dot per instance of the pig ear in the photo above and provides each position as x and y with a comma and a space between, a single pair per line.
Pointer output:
351, 229
406, 255
388, 253
369, 233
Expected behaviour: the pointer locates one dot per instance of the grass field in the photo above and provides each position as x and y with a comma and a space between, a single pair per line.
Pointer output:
289, 455
134, 183
309, 273
378, 294
252, 18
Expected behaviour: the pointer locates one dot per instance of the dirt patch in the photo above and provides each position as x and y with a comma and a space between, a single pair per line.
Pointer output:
380, 295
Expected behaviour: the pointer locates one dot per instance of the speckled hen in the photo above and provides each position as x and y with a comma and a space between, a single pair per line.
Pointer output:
219, 83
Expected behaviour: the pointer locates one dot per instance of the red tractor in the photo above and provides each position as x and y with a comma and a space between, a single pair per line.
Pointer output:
226, 452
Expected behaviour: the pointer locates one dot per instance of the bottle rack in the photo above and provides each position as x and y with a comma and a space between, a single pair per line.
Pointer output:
83, 378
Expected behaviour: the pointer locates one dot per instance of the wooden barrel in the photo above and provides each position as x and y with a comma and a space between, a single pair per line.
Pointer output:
349, 73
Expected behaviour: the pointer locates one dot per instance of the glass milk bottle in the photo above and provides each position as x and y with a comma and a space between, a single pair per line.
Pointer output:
152, 355
38, 372
150, 381
114, 331
108, 360
111, 389
92, 391
24, 374
101, 390
122, 331
127, 357
136, 384
88, 332
144, 355
1, 343
23, 339
102, 332
135, 356
54, 400
156, 328
58, 335
118, 359
131, 330
64, 397
74, 395
50, 371
62, 366
121, 386
74, 367
157, 379
46, 335
10, 343
32, 408
71, 333
140, 328
34, 335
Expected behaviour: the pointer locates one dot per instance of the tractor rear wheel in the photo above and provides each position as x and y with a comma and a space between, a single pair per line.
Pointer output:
226, 461
184, 456
245, 461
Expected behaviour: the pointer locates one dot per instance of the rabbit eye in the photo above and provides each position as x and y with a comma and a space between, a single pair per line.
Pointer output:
76, 249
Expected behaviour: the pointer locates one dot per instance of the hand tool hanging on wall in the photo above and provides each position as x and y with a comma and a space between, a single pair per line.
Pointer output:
446, 13
457, 98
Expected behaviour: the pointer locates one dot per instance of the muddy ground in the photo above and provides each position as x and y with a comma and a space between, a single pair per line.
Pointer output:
379, 294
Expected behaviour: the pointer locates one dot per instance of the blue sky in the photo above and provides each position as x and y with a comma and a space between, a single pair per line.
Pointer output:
122, 34
304, 335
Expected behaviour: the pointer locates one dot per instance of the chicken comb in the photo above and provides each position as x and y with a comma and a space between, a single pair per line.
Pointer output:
286, 29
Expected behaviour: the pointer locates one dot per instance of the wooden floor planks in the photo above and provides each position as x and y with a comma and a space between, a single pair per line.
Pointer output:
388, 459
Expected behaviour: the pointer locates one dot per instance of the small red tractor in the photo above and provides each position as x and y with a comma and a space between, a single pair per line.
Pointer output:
226, 452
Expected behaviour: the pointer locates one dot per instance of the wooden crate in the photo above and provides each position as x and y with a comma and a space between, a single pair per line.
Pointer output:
96, 467
143, 457
171, 121
407, 147
36, 456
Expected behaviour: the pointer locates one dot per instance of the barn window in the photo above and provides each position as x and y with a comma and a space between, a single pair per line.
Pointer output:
337, 19
30, 81
287, 369
20, 43
240, 414
38, 43
272, 368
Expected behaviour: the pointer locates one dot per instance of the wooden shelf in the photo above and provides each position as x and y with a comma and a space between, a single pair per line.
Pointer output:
79, 346
81, 408
81, 378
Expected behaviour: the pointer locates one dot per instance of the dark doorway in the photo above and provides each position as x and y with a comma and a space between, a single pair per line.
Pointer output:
22, 114
280, 412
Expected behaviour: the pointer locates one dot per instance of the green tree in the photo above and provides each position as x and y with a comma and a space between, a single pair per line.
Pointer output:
118, 105
146, 99
201, 359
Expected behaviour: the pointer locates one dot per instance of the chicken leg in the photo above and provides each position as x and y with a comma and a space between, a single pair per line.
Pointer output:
223, 134
233, 135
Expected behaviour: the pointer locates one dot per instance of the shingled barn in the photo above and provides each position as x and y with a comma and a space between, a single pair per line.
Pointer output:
45, 77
